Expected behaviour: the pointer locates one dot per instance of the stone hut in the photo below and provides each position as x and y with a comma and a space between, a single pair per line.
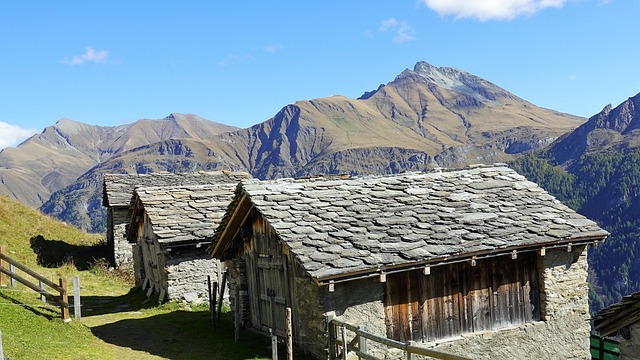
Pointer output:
116, 197
478, 262
170, 229
622, 321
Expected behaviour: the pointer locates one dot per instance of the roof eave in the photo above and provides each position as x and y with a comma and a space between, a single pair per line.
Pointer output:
441, 260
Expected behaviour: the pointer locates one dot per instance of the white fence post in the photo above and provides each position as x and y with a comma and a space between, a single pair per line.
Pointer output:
77, 312
1, 351
12, 268
42, 297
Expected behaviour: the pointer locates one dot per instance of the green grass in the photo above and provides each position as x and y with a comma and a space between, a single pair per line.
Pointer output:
118, 322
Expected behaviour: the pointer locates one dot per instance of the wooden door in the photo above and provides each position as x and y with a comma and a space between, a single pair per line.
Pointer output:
268, 280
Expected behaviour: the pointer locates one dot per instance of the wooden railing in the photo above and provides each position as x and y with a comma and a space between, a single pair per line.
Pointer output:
339, 346
58, 299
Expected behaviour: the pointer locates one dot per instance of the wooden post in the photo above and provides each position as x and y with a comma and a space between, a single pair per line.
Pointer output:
289, 334
272, 328
77, 312
236, 313
410, 355
362, 344
345, 351
332, 337
64, 305
221, 297
214, 290
2, 265
274, 344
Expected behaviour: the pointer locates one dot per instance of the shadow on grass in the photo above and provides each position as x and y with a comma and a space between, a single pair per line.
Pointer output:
46, 311
186, 335
55, 253
134, 300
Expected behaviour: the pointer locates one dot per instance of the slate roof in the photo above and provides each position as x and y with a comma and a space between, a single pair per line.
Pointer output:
615, 317
117, 188
185, 213
342, 226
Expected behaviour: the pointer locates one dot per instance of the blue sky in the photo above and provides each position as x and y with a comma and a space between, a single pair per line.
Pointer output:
114, 62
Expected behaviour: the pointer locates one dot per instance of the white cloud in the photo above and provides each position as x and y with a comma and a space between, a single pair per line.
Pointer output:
272, 49
232, 59
490, 9
11, 135
90, 55
404, 32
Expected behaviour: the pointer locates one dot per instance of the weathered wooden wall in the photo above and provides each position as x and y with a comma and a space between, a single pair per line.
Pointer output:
460, 298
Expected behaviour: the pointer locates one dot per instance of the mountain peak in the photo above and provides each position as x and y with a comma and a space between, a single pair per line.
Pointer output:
462, 82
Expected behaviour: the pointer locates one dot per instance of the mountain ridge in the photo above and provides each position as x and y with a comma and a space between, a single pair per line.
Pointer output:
409, 123
55, 158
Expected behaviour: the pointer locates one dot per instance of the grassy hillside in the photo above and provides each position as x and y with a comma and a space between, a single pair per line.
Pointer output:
117, 323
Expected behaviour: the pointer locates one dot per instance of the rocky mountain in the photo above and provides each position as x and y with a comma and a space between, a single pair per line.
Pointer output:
54, 159
426, 117
596, 170
611, 129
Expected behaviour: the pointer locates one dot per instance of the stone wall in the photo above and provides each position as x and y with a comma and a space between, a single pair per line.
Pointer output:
122, 252
564, 331
630, 349
187, 272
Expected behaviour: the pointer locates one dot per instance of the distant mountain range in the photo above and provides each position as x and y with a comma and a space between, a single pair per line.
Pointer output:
57, 157
425, 117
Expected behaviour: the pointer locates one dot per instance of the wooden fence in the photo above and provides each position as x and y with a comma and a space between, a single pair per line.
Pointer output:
58, 299
340, 346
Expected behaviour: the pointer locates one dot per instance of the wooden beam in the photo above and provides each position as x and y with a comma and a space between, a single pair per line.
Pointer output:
612, 324
236, 220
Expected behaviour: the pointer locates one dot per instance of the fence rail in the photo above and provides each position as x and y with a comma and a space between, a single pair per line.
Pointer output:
59, 299
338, 340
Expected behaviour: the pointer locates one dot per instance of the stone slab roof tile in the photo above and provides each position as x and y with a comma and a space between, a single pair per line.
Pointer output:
194, 218
412, 217
117, 188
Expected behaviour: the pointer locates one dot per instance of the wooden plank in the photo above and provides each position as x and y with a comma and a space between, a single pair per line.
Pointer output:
466, 309
481, 298
500, 292
389, 310
413, 292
